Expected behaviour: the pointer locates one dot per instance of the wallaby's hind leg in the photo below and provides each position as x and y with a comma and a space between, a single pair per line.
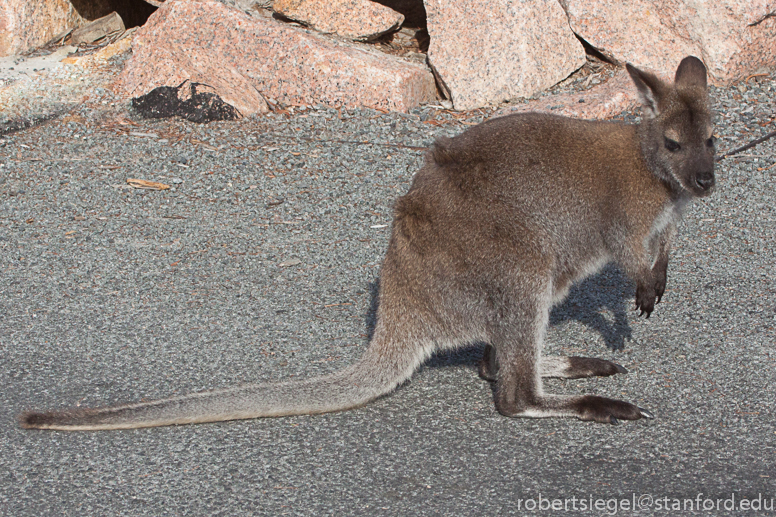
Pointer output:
555, 366
517, 396
516, 339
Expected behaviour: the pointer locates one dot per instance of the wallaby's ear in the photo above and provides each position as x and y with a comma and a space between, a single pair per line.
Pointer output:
690, 74
651, 89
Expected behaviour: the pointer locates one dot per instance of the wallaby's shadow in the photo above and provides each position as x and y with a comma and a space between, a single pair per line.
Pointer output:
607, 293
600, 302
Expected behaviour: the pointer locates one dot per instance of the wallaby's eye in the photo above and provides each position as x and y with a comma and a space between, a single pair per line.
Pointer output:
671, 145
711, 141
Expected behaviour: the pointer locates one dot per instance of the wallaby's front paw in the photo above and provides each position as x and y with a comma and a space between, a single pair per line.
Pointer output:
608, 411
646, 296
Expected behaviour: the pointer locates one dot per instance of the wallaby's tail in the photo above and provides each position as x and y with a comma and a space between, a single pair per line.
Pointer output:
378, 372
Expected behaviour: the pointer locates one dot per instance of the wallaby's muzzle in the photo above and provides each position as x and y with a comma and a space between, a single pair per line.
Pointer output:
704, 182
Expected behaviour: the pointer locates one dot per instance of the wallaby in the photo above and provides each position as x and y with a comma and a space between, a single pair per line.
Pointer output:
497, 225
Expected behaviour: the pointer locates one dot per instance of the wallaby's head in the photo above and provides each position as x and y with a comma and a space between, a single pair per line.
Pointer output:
676, 135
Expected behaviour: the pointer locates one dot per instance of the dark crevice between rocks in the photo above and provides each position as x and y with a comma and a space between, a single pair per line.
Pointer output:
442, 90
134, 13
413, 35
590, 50
403, 42
598, 69
281, 18
413, 10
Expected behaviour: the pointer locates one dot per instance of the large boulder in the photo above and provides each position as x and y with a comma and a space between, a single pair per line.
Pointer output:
734, 38
489, 52
28, 24
603, 101
247, 58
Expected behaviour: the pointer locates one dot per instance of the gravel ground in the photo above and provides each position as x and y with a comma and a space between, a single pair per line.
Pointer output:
260, 263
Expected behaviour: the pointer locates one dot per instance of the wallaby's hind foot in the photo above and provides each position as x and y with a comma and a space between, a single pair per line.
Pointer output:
575, 367
605, 410
555, 366
585, 407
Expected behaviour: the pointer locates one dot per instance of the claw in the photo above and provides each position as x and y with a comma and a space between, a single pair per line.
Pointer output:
613, 421
659, 297
646, 414
620, 369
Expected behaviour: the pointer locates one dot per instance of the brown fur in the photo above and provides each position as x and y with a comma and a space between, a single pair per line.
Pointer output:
497, 225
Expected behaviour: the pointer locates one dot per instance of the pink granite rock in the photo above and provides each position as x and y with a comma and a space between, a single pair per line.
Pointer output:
247, 59
28, 24
360, 20
603, 101
733, 37
488, 52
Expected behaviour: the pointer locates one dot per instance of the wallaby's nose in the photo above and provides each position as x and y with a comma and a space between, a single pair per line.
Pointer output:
705, 180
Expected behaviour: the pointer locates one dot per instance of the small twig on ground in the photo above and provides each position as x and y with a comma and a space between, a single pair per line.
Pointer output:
755, 75
747, 146
349, 142
382, 144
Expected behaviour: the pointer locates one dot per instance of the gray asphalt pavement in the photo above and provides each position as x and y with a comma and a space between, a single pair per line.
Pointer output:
260, 263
